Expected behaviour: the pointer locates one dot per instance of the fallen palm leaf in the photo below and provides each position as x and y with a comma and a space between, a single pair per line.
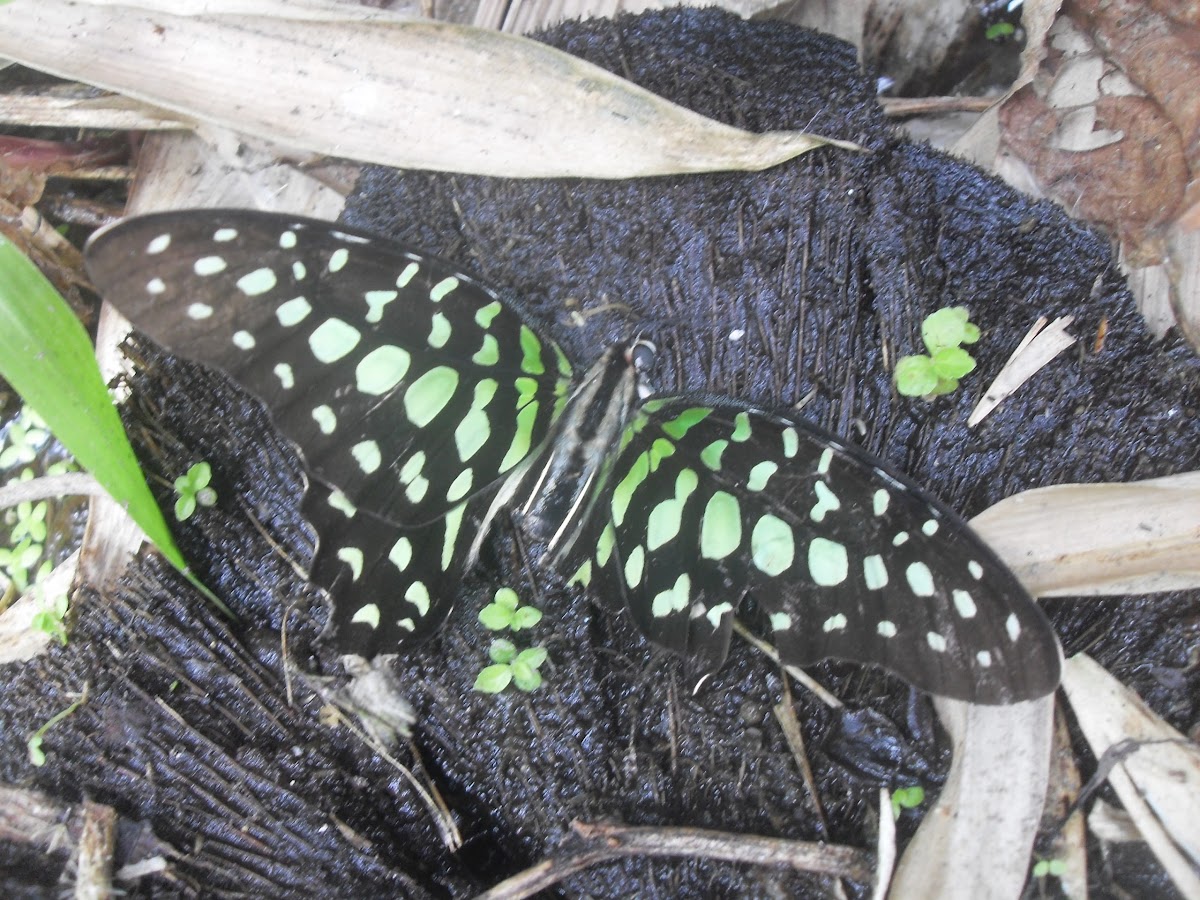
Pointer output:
412, 94
1156, 771
988, 812
1094, 539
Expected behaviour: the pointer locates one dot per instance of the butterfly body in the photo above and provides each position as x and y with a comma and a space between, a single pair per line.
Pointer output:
424, 404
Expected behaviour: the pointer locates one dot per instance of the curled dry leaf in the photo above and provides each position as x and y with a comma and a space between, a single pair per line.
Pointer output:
412, 94
1158, 782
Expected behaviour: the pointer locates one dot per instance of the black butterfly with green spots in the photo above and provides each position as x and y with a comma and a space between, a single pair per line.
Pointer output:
424, 404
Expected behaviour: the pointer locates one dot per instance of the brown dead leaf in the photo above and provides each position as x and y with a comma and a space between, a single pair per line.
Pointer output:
1132, 185
1154, 47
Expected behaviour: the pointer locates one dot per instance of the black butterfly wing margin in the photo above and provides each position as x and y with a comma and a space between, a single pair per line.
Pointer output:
408, 387
714, 500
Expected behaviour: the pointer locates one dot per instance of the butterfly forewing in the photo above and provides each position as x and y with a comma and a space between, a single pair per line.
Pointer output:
407, 385
713, 500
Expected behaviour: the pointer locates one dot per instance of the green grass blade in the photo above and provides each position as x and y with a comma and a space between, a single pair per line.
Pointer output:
46, 355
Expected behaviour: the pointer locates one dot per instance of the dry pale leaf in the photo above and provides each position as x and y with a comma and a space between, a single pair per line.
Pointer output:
976, 840
1158, 783
1040, 345
401, 93
1095, 539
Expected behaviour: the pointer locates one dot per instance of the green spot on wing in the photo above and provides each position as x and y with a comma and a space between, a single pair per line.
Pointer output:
828, 564
382, 369
485, 314
684, 422
332, 340
711, 455
772, 545
429, 394
531, 349
741, 427
720, 526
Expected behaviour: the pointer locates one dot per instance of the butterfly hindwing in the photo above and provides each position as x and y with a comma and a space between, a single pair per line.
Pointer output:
395, 585
713, 500
407, 385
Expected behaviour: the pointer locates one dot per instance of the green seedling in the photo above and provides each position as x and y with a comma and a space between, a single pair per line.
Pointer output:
26, 436
505, 611
511, 667
907, 798
37, 756
938, 372
193, 489
1044, 867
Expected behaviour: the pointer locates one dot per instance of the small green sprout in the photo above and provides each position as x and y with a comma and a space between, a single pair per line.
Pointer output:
907, 798
998, 30
505, 612
30, 522
193, 489
50, 618
512, 667
26, 436
16, 561
1044, 867
37, 755
938, 372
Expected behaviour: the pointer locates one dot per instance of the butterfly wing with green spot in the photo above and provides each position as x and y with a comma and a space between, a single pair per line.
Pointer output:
713, 500
408, 386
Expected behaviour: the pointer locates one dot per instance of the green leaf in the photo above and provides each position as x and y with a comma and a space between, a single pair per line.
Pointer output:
495, 617
525, 676
533, 657
185, 506
507, 598
502, 651
944, 328
907, 798
46, 356
952, 362
199, 475
998, 30
915, 376
493, 679
526, 617
37, 756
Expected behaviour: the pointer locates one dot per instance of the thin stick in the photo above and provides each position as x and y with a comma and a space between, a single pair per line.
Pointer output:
610, 842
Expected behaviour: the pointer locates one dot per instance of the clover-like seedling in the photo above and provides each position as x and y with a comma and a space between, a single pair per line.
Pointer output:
505, 611
30, 522
193, 489
511, 667
907, 798
26, 435
938, 372
1044, 867
18, 560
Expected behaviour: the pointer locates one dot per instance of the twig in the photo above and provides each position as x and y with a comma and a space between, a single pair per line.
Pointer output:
898, 107
609, 842
49, 487
799, 674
